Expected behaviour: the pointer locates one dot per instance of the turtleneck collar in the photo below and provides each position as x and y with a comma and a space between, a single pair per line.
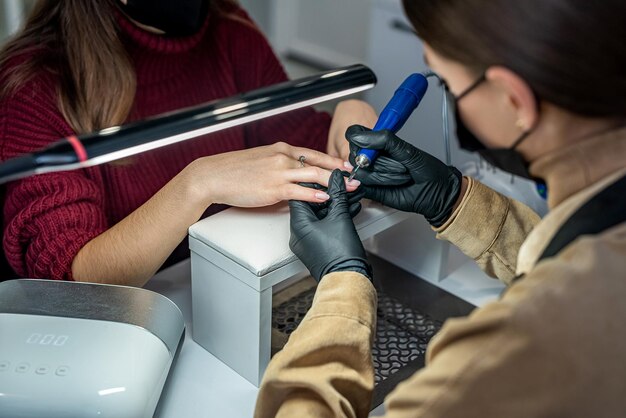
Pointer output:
157, 42
569, 170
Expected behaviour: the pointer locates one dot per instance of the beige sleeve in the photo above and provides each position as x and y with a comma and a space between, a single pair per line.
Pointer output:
454, 358
325, 369
490, 228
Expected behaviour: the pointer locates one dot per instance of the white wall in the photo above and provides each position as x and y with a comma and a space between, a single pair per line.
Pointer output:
11, 14
341, 25
259, 10
330, 33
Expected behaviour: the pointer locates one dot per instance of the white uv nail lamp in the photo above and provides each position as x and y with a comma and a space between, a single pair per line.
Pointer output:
71, 349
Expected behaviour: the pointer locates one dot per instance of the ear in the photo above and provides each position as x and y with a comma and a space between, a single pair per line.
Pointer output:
518, 94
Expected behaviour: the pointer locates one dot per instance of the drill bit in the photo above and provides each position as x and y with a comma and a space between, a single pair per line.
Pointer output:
354, 170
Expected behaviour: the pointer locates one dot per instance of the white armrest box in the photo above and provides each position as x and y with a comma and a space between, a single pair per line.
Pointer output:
237, 257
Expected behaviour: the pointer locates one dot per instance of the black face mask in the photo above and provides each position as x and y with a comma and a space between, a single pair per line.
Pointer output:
174, 17
506, 159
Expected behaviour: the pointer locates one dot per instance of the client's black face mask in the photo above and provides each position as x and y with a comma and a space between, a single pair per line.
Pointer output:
506, 159
174, 17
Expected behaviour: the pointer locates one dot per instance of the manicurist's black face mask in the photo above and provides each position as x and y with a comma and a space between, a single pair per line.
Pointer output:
174, 17
506, 159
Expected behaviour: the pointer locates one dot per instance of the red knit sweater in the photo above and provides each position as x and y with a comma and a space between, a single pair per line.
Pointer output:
48, 218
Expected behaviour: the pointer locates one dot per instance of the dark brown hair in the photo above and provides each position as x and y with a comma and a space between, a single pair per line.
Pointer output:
78, 41
571, 52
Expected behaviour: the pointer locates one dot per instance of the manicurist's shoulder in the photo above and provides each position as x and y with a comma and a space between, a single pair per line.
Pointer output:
582, 284
568, 303
557, 331
570, 308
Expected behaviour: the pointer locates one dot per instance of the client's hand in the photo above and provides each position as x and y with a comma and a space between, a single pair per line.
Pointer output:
324, 238
347, 113
262, 176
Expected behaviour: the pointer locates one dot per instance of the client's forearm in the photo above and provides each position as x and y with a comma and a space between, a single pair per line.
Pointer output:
130, 252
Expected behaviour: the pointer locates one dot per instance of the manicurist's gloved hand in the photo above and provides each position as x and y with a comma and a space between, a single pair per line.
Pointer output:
324, 237
353, 198
405, 178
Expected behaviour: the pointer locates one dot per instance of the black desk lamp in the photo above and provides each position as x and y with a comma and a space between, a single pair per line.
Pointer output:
122, 141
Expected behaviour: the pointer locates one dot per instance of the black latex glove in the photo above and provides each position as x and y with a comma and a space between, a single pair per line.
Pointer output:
354, 198
405, 178
328, 243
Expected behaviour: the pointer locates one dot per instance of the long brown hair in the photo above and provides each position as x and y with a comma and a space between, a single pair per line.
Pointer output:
78, 41
571, 52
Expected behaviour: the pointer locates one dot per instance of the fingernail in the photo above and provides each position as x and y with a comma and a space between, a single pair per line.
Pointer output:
322, 196
347, 165
354, 182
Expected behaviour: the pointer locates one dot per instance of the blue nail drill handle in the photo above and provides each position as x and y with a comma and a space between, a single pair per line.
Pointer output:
404, 101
